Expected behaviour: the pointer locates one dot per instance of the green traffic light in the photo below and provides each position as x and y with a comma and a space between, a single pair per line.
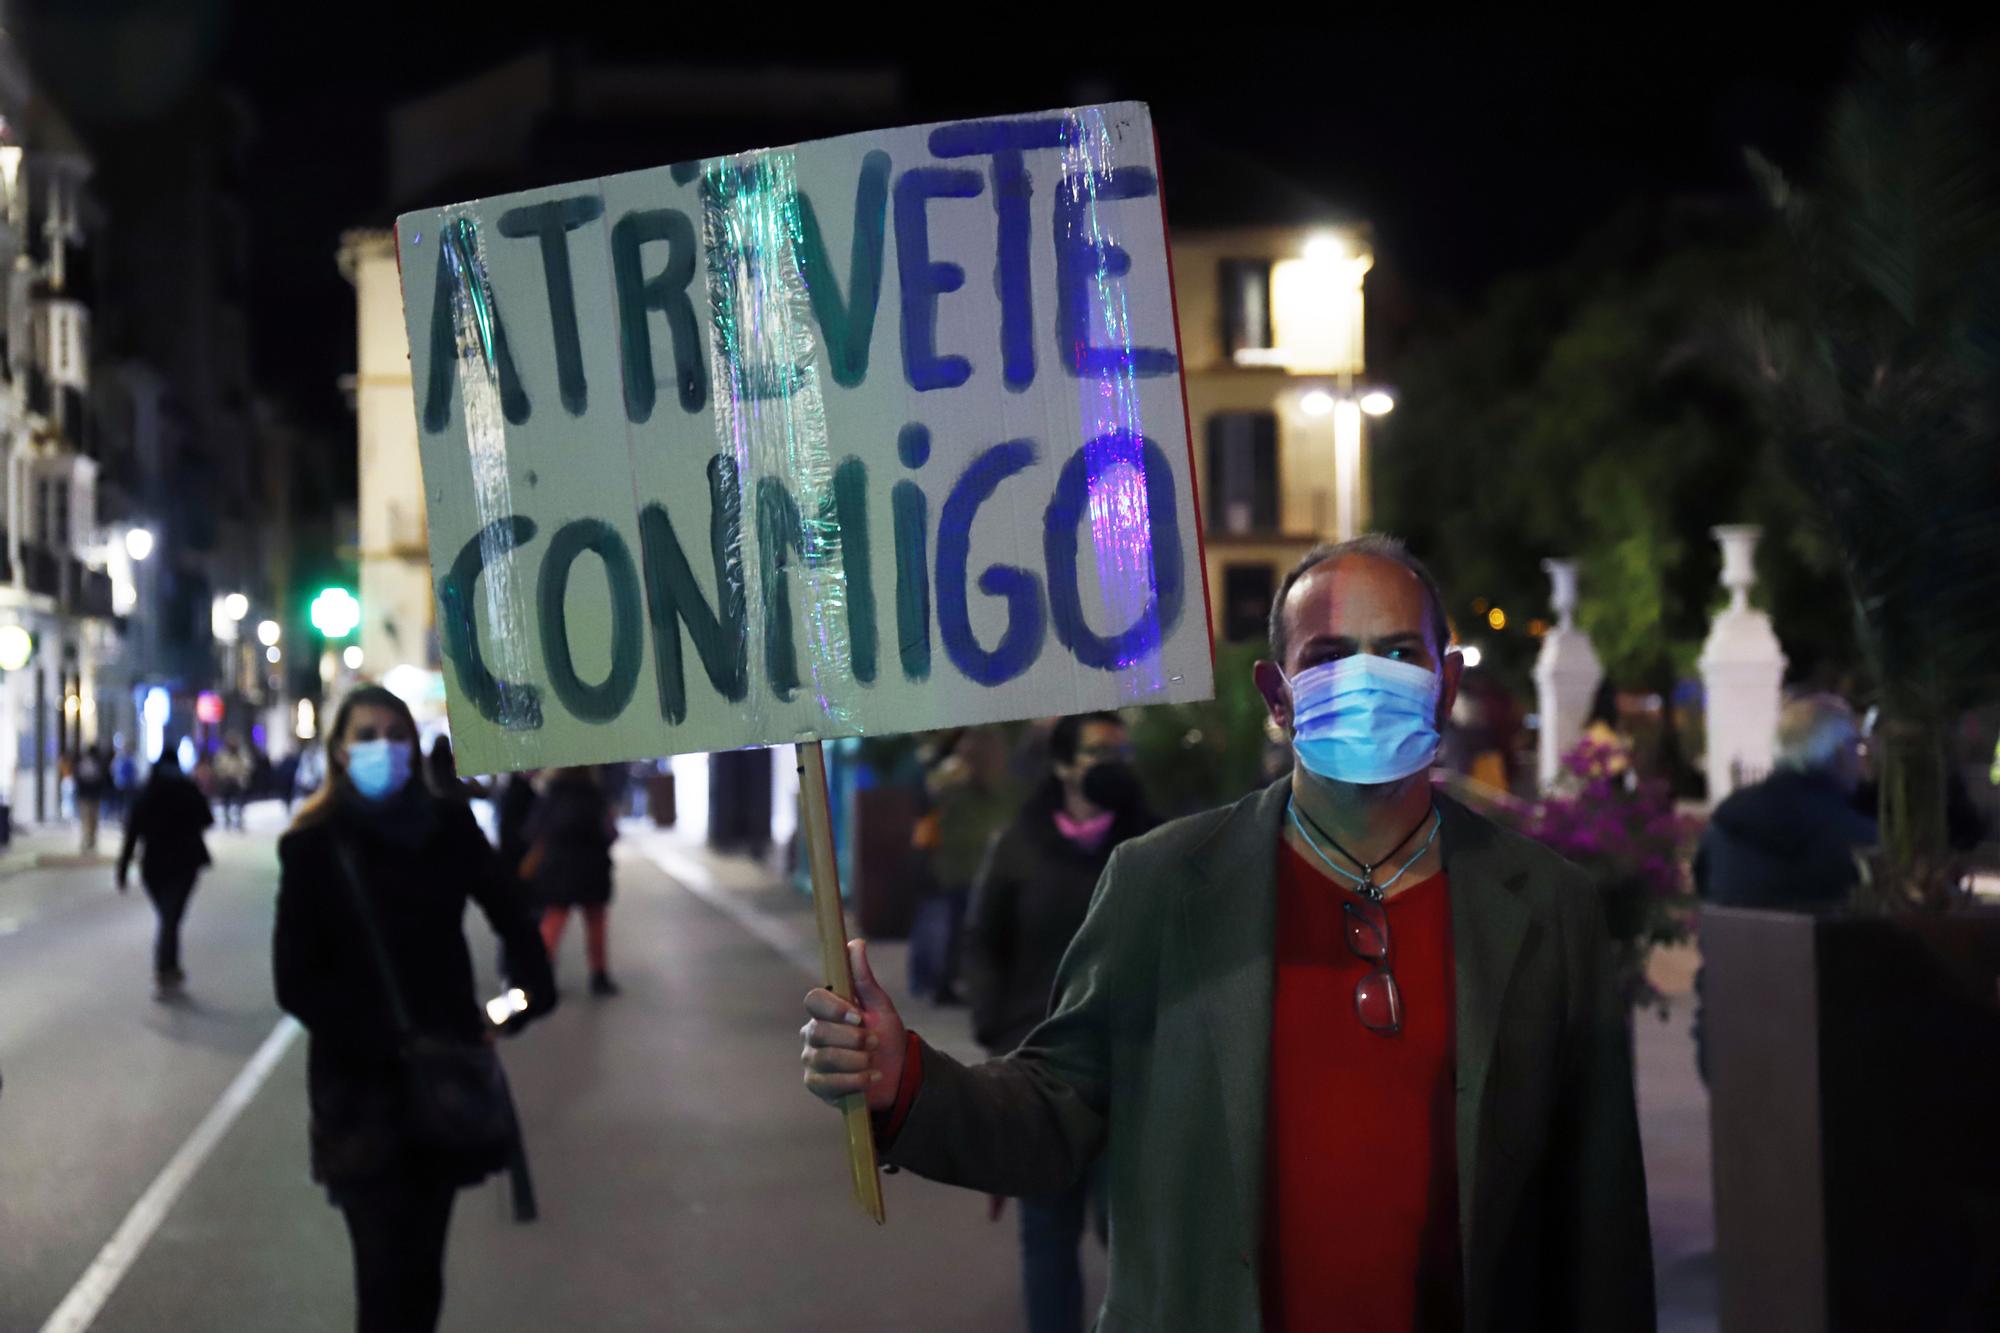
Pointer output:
335, 613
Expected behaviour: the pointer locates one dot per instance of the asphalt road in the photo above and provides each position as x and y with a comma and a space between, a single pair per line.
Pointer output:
686, 1180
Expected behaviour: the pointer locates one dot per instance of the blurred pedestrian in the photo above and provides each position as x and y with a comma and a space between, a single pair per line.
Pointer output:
570, 834
1964, 826
1793, 841
312, 768
616, 781
263, 782
93, 782
972, 800
407, 1103
124, 777
1027, 904
441, 772
517, 803
168, 821
234, 768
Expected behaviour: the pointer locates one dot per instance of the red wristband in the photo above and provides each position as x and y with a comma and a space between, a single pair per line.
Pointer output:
889, 1123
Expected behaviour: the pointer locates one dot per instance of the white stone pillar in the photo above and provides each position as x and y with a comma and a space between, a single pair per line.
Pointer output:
1566, 674
1743, 673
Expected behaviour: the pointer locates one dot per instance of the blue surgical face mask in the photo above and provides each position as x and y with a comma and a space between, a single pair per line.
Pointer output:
1365, 719
378, 769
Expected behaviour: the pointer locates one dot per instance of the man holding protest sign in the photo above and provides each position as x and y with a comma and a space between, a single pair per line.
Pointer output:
685, 491
1349, 1049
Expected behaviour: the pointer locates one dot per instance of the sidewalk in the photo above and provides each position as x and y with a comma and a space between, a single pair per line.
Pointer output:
55, 844
1673, 1105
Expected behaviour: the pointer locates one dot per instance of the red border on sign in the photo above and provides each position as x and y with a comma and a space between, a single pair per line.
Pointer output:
1187, 422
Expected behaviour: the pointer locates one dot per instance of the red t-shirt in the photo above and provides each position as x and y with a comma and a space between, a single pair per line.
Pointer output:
1361, 1176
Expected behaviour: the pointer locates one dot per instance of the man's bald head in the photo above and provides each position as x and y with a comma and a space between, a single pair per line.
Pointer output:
1326, 557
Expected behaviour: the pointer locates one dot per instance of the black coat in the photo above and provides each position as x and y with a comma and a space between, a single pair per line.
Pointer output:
1027, 903
517, 803
167, 821
572, 827
1786, 842
327, 976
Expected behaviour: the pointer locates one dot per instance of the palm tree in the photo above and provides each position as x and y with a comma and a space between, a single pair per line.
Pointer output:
1879, 367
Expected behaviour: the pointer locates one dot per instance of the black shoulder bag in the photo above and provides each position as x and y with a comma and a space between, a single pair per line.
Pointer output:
459, 1103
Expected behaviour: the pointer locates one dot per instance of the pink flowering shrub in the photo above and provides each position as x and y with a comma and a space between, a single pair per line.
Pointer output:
1625, 834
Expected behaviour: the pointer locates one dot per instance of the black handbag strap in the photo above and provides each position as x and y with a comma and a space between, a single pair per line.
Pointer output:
399, 1012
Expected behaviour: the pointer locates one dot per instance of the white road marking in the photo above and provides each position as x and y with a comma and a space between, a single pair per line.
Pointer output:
86, 1299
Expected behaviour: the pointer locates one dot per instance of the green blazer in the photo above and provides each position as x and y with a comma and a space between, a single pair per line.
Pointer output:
1157, 1054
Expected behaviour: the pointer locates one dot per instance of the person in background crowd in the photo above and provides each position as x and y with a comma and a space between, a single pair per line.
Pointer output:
167, 820
1791, 842
1028, 766
233, 771
93, 782
517, 804
373, 859
263, 775
569, 863
1351, 1052
124, 777
971, 801
204, 776
1484, 732
616, 782
441, 773
1965, 827
1027, 904
285, 780
312, 768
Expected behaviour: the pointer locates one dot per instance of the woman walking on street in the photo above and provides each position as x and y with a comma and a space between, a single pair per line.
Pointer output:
370, 955
167, 820
569, 862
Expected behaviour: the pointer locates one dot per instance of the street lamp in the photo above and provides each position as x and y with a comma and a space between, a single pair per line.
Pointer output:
351, 657
268, 633
17, 646
1316, 402
1329, 248
236, 606
138, 543
1377, 403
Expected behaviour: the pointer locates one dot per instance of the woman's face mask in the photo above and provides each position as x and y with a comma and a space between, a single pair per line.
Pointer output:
378, 768
1365, 719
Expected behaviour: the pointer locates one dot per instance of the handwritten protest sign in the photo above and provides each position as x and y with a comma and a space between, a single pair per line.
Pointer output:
876, 434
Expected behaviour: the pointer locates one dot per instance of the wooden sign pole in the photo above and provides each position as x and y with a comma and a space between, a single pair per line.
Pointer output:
818, 821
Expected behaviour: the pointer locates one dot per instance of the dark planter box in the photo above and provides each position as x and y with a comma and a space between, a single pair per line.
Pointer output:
1854, 1116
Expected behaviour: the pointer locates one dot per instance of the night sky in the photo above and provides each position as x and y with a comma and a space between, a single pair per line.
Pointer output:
1474, 149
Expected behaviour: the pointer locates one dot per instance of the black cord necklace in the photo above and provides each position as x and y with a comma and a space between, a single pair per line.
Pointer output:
1366, 879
